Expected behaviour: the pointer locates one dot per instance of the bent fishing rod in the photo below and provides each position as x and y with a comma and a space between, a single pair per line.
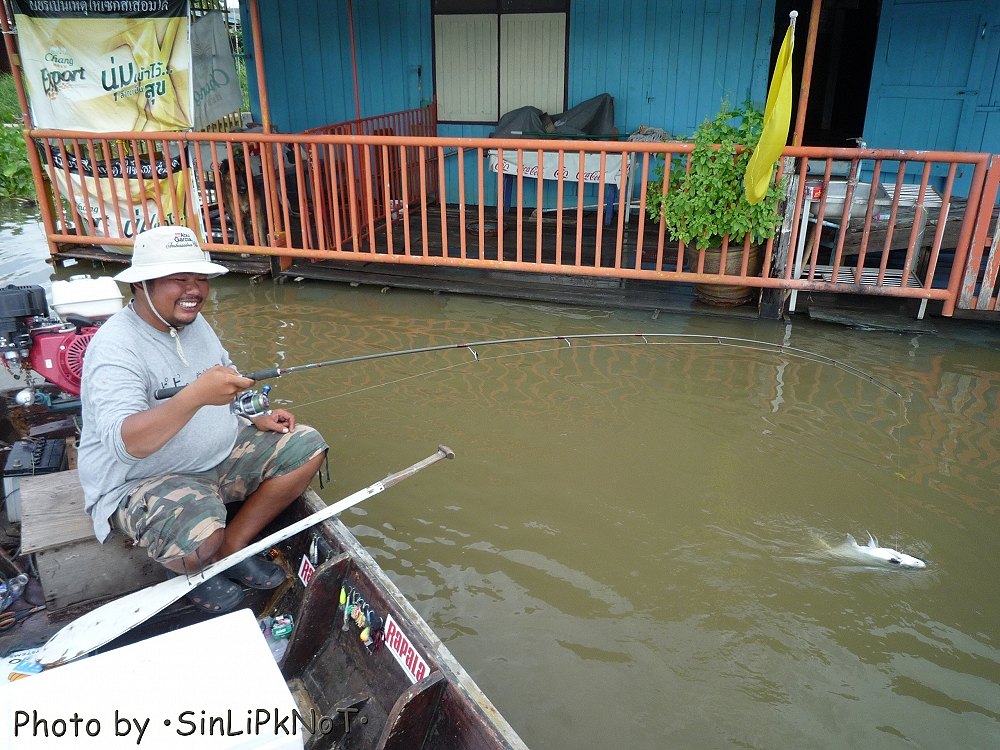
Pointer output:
472, 346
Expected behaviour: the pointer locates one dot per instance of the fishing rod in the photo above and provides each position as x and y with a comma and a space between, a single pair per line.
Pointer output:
251, 403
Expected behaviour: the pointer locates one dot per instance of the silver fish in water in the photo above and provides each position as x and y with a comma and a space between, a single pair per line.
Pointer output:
873, 553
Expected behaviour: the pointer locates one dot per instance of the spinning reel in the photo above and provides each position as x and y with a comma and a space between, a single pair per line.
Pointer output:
251, 403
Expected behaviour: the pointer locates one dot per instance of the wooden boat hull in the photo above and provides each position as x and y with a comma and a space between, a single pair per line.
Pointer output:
409, 691
398, 688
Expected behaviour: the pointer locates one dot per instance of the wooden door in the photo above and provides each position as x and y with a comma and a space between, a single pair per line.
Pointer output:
928, 77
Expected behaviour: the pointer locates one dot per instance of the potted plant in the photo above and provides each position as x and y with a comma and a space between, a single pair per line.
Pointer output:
705, 201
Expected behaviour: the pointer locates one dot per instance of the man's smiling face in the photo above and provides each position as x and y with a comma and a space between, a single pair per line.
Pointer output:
178, 298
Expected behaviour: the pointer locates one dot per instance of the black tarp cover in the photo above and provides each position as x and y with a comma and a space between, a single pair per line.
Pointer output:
592, 118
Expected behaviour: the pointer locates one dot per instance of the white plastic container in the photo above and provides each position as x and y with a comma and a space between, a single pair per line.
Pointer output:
87, 297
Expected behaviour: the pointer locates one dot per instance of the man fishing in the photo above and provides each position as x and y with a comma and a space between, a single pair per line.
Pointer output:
162, 472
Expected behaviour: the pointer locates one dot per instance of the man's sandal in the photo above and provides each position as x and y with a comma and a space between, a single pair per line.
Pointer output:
216, 595
256, 573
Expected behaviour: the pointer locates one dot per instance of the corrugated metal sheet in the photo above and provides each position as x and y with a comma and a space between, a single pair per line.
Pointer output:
304, 85
669, 64
921, 106
308, 59
393, 39
939, 106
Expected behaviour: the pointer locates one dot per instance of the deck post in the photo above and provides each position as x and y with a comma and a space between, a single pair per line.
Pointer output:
772, 299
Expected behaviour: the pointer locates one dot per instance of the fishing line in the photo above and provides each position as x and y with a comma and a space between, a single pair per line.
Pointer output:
699, 340
476, 358
472, 346
637, 340
568, 339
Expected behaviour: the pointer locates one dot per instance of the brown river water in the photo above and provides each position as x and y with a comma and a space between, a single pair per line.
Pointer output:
633, 545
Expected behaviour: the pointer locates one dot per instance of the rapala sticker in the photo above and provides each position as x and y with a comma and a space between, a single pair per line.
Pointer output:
402, 648
306, 570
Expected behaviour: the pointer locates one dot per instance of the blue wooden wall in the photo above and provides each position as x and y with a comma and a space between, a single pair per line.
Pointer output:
946, 106
667, 63
942, 106
307, 58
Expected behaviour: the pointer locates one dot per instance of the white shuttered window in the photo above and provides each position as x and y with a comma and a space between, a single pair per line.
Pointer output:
533, 61
466, 64
487, 64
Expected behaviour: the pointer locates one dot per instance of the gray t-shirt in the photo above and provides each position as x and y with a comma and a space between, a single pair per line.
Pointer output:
125, 363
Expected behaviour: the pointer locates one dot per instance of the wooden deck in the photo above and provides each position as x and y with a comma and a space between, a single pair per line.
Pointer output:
549, 280
551, 283
250, 265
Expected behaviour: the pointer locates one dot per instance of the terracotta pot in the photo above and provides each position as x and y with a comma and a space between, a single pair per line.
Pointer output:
725, 294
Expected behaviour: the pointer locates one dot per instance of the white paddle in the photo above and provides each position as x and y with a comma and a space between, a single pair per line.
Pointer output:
107, 622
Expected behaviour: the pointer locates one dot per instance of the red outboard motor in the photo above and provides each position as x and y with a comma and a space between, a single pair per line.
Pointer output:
53, 346
23, 309
58, 356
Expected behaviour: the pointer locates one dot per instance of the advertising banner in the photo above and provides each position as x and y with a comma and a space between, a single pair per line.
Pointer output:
106, 65
216, 85
123, 198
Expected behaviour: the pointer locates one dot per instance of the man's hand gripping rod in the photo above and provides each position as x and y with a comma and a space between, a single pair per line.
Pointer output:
271, 372
248, 403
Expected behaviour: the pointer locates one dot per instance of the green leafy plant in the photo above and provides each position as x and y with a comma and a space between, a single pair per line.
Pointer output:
10, 108
15, 169
705, 199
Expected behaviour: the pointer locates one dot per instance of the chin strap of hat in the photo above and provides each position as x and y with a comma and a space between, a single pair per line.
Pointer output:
173, 330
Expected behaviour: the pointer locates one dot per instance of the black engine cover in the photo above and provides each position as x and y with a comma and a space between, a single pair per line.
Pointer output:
17, 303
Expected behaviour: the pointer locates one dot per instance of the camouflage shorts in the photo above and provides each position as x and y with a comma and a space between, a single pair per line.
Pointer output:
171, 515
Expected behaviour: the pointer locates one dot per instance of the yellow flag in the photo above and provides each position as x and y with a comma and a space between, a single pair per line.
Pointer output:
777, 117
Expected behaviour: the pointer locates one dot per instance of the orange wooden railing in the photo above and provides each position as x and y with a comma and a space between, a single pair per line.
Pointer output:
344, 198
381, 198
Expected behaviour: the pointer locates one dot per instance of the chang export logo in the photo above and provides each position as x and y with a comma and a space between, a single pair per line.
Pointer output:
62, 72
59, 56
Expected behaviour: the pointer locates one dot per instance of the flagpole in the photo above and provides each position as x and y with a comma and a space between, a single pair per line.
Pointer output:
807, 66
774, 128
258, 59
793, 16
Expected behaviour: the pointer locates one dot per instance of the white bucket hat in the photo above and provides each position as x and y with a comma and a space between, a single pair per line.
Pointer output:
166, 250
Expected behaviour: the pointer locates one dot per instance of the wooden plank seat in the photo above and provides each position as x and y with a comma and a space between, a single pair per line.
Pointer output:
72, 565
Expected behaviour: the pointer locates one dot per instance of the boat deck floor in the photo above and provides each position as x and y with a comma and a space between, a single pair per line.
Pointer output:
36, 629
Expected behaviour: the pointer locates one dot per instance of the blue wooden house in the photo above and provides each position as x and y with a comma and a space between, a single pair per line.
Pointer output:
361, 89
